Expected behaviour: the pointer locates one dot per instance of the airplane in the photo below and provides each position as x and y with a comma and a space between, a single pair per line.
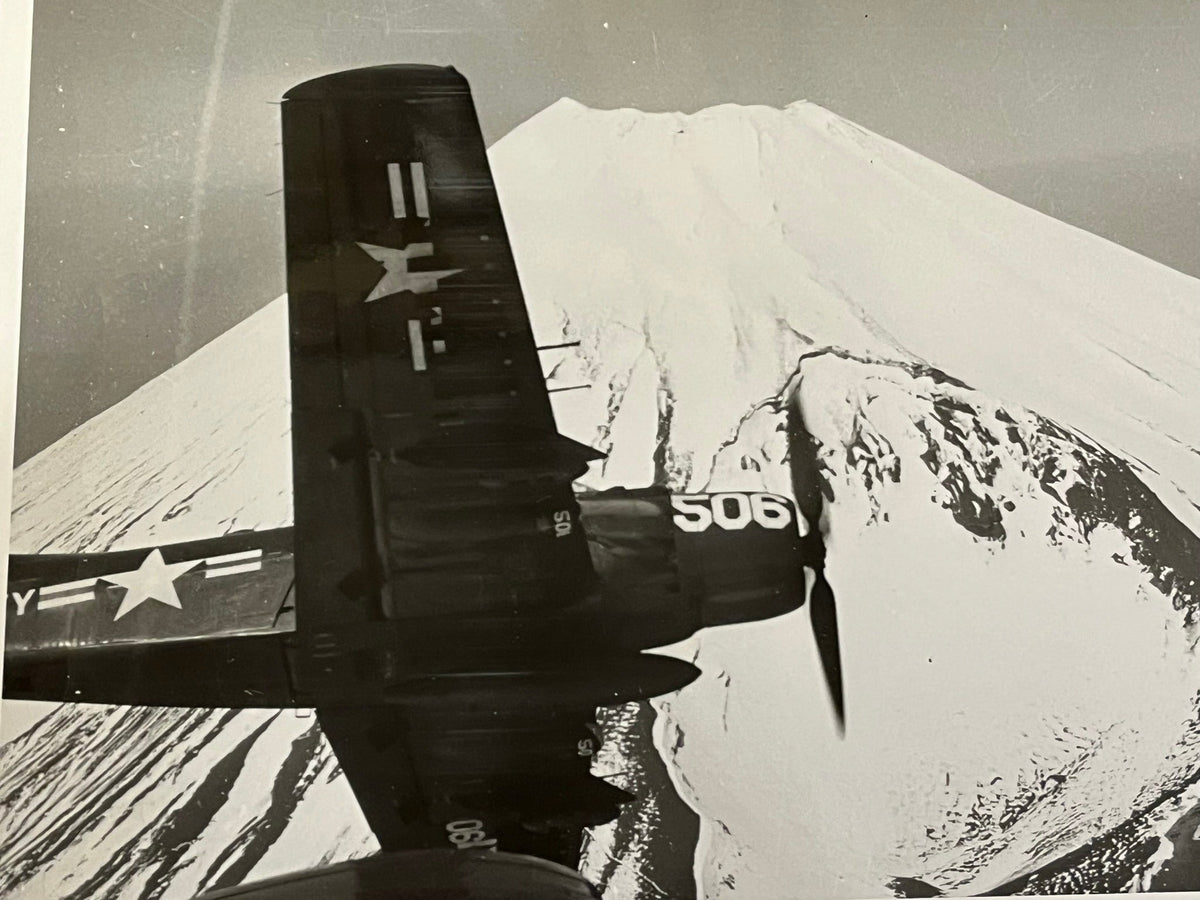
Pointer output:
449, 604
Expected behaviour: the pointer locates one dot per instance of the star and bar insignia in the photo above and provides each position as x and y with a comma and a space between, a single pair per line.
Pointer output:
154, 579
409, 192
397, 277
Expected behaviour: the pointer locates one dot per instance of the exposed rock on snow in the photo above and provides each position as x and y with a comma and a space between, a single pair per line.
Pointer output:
1008, 417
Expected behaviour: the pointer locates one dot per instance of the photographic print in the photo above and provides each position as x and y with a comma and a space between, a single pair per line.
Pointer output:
501, 449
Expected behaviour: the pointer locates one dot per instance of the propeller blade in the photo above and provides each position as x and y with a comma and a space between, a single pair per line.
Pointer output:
807, 482
823, 610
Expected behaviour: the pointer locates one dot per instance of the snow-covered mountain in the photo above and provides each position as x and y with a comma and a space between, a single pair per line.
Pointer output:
1009, 428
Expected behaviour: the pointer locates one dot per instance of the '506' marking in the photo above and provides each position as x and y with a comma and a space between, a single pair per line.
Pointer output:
731, 511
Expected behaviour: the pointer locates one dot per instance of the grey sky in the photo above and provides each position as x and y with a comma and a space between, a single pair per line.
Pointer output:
153, 224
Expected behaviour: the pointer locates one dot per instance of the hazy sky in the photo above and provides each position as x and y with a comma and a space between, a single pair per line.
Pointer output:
154, 221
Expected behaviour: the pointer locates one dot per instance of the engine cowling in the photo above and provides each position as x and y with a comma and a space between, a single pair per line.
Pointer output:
673, 563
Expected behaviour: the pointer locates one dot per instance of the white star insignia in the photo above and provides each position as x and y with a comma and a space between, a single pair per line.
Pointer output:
152, 580
396, 277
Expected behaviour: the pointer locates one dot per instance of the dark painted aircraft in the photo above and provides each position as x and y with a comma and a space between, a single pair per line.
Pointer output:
448, 604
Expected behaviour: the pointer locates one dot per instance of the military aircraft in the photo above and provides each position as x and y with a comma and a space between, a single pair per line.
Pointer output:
449, 605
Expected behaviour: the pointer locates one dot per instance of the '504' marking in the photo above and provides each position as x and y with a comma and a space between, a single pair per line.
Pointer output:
562, 523
731, 511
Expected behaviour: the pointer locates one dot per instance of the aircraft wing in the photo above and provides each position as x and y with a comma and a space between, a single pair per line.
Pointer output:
428, 468
199, 623
443, 578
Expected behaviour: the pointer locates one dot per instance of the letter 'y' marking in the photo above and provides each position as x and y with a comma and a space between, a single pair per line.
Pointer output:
22, 600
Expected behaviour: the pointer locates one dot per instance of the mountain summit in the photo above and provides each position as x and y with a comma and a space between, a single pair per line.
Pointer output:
740, 214
1006, 416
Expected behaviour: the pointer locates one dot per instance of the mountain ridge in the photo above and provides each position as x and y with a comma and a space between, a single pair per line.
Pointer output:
717, 269
1021, 295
